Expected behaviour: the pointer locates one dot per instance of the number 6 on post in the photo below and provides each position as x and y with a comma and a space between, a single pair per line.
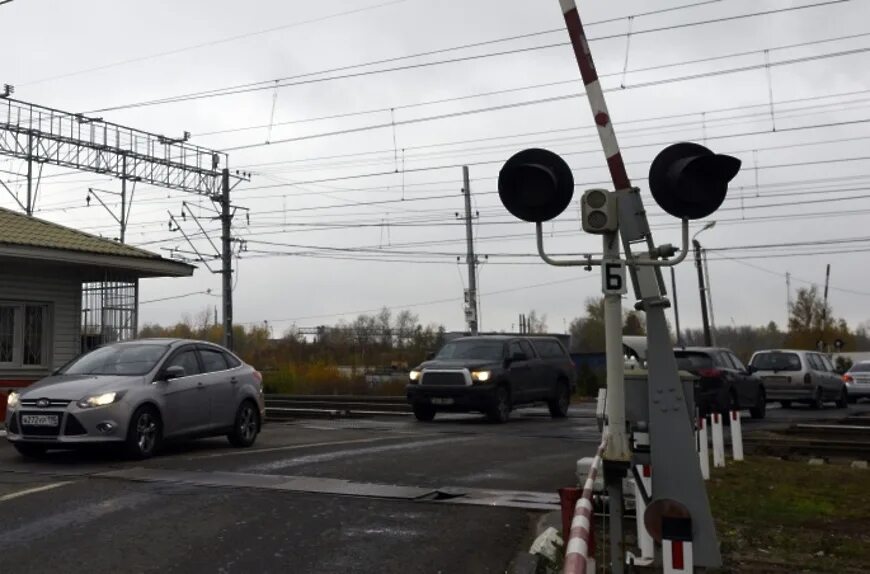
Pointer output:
613, 277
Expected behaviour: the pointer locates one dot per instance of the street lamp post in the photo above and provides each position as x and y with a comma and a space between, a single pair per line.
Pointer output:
708, 340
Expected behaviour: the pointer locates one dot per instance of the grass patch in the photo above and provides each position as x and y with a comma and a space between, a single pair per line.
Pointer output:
777, 516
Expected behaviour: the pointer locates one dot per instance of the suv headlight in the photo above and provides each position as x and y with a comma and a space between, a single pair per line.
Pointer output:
480, 376
414, 376
12, 400
100, 400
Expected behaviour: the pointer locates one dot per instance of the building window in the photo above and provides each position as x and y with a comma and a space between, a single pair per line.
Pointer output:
24, 331
34, 325
7, 334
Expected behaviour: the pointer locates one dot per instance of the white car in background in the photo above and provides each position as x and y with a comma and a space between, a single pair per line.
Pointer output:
799, 376
857, 380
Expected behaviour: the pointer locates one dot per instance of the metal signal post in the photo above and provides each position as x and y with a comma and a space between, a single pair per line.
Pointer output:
689, 182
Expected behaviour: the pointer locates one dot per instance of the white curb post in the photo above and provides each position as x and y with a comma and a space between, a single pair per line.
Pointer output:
736, 436
703, 448
718, 441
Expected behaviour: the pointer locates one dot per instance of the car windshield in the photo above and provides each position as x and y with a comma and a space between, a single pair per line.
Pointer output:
472, 349
124, 359
776, 361
688, 361
860, 368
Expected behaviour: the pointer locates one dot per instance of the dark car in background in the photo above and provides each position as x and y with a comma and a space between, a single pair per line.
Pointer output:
724, 383
492, 375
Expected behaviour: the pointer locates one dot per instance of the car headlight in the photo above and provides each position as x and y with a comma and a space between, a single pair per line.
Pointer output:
12, 400
481, 376
414, 376
99, 400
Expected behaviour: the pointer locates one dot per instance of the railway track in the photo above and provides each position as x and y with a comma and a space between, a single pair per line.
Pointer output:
286, 407
816, 440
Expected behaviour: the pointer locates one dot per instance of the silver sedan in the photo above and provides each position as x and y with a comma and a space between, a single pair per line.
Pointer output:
136, 394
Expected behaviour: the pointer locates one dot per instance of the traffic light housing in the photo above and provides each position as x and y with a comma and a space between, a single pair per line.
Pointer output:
689, 181
535, 185
599, 212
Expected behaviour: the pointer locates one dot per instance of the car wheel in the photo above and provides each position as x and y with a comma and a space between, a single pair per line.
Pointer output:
30, 450
817, 402
424, 413
559, 404
759, 411
246, 426
785, 404
843, 399
144, 433
501, 409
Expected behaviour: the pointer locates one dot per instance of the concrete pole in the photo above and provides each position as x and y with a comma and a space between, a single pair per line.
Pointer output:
469, 257
709, 286
702, 290
676, 307
227, 259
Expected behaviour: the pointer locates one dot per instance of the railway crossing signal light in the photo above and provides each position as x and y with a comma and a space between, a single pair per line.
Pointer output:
599, 211
689, 181
535, 185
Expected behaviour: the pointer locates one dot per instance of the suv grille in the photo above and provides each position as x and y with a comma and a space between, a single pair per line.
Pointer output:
456, 378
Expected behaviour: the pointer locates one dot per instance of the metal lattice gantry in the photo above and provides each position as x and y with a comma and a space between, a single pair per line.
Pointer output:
43, 135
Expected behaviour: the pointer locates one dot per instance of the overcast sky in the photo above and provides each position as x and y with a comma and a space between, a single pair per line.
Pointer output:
89, 55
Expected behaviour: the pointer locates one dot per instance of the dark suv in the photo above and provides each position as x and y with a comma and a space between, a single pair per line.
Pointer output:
724, 383
493, 374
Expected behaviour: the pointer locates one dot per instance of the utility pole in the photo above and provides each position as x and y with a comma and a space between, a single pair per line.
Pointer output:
707, 340
787, 296
471, 296
226, 217
676, 307
825, 311
709, 291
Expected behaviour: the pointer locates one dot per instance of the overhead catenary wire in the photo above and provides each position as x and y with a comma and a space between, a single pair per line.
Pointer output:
303, 79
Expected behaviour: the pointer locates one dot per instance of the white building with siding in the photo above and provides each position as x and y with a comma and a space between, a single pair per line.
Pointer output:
62, 292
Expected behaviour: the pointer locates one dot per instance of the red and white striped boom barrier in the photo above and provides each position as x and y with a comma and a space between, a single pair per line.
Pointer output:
580, 541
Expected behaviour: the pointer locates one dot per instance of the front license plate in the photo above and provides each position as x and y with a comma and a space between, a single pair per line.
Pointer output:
40, 420
442, 401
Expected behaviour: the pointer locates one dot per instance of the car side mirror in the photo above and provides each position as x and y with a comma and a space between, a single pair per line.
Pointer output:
750, 369
518, 357
430, 355
173, 372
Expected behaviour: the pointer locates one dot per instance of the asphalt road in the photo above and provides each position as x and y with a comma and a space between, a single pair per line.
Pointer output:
386, 495
370, 496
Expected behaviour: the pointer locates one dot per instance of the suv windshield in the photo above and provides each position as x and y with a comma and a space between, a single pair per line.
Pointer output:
472, 349
776, 362
124, 359
689, 361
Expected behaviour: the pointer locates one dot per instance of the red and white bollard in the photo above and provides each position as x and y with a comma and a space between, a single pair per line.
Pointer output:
644, 540
736, 436
718, 441
677, 545
677, 556
703, 448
